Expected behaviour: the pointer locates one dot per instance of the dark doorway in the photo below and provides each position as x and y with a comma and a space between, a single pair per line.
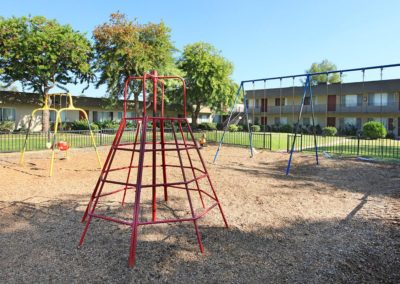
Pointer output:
331, 102
331, 121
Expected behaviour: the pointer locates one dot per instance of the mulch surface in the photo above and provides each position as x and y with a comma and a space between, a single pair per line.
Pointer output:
336, 222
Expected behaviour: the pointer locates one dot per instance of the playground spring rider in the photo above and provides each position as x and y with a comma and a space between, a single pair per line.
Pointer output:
50, 104
194, 177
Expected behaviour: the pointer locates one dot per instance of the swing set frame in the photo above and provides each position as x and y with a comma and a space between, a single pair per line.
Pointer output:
307, 89
50, 105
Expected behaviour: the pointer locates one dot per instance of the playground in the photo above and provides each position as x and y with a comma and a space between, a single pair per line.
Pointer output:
336, 222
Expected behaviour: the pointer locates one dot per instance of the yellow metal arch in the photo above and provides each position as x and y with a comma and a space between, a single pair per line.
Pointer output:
69, 107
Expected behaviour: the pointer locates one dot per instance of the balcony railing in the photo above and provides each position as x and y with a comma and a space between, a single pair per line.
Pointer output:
322, 108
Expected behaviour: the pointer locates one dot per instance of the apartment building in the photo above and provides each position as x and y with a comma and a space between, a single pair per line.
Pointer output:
334, 105
18, 106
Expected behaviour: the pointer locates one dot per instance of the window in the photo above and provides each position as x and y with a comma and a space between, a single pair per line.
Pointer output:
53, 116
257, 103
307, 101
7, 114
380, 99
306, 121
280, 101
120, 113
350, 121
280, 121
204, 117
350, 100
99, 116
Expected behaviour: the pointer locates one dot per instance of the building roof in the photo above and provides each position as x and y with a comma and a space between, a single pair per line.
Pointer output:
34, 99
23, 98
385, 86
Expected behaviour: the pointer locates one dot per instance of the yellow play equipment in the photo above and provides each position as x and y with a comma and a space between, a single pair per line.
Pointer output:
51, 104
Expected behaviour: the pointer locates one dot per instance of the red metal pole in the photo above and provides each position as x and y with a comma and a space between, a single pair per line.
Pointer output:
154, 168
187, 191
105, 171
136, 208
164, 168
208, 176
191, 163
130, 164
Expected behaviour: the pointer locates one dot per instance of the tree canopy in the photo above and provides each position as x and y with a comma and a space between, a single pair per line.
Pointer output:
208, 78
126, 48
323, 66
41, 54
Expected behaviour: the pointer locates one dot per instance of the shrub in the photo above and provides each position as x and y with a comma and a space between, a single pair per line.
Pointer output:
318, 129
220, 126
207, 126
275, 128
233, 128
390, 135
82, 125
108, 124
265, 128
255, 128
287, 128
329, 131
374, 130
349, 130
6, 126
240, 127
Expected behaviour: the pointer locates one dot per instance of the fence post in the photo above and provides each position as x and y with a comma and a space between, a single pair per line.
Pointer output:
101, 137
358, 145
264, 141
301, 142
287, 143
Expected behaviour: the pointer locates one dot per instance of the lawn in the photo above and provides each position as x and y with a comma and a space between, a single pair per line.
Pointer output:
384, 148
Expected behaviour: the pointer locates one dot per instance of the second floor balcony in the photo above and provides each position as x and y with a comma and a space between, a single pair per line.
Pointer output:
322, 108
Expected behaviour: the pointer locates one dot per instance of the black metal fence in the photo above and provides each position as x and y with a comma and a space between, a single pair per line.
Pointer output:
14, 142
357, 146
352, 146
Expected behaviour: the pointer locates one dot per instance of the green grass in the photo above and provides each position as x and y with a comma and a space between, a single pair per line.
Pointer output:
383, 148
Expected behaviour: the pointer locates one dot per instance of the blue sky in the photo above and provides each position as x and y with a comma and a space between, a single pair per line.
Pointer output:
261, 38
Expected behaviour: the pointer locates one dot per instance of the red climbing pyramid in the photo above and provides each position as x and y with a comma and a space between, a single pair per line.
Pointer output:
159, 153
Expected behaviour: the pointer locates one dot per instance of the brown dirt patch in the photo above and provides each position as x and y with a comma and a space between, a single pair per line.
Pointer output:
337, 222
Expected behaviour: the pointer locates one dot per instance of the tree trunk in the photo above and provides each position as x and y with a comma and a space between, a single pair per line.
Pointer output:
45, 116
136, 96
195, 115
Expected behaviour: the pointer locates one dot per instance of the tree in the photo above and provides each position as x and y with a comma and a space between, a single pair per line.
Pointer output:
125, 48
41, 54
208, 78
323, 66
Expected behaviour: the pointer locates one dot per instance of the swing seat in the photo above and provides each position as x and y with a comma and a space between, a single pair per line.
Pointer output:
62, 146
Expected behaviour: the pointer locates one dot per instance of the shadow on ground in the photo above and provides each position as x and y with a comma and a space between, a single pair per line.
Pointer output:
373, 179
39, 244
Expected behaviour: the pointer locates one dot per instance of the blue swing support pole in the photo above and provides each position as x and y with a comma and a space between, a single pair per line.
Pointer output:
241, 88
307, 86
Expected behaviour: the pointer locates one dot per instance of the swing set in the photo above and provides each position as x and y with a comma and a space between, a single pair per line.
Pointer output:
307, 92
58, 104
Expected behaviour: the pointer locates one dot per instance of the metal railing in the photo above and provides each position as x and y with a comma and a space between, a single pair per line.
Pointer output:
322, 108
14, 142
350, 146
354, 146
